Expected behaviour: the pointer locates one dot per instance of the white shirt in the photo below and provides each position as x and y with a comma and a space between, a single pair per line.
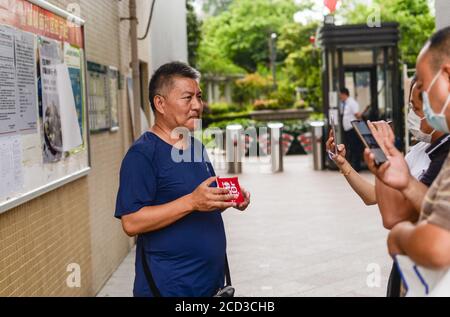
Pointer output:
350, 107
418, 160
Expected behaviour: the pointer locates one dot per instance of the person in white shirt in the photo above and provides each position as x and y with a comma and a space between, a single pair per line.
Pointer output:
350, 112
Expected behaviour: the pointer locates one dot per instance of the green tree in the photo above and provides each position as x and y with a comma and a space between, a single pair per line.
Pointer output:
302, 65
415, 20
194, 32
212, 57
242, 32
215, 7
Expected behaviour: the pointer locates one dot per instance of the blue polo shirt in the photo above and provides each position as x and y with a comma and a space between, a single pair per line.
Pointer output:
186, 258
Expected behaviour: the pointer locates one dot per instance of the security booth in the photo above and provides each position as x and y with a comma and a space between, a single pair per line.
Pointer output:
365, 60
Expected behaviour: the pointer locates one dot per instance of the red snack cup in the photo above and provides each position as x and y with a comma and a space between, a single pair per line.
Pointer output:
232, 184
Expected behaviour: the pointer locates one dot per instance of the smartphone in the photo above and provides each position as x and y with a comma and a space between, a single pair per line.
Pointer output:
369, 141
332, 124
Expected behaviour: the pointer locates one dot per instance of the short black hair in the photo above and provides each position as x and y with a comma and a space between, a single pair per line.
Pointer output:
345, 91
440, 47
164, 75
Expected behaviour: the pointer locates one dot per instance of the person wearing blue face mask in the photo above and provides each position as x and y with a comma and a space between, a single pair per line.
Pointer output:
427, 241
433, 144
424, 160
437, 120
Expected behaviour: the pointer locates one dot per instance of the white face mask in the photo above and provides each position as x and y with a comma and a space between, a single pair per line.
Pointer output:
414, 122
437, 121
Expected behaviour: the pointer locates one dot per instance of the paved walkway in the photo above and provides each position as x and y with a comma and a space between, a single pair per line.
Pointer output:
306, 234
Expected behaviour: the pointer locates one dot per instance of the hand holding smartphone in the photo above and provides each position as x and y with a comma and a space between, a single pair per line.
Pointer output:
332, 124
369, 141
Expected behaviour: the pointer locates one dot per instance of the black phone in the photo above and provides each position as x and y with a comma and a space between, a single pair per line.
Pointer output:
364, 133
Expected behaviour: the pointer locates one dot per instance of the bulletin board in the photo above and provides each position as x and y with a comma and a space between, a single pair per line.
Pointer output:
103, 97
99, 111
44, 127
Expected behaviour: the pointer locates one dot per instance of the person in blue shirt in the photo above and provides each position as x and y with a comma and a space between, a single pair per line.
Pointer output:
173, 205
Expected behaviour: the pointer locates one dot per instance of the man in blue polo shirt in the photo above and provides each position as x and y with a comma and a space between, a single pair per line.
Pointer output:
174, 207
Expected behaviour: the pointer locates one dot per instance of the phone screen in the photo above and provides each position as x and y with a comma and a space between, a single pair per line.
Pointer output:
369, 141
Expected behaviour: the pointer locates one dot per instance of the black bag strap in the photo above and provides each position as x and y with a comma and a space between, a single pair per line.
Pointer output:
227, 272
148, 273
151, 281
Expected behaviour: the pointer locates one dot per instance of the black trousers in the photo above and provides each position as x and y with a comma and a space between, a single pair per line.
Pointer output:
354, 149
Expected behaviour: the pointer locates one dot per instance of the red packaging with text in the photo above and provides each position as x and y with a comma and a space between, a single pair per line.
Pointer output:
232, 184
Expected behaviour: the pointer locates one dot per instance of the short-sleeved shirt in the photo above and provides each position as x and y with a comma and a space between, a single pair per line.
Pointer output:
186, 258
349, 109
418, 160
437, 152
436, 205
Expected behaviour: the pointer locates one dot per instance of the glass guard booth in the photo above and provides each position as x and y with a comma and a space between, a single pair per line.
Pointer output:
364, 60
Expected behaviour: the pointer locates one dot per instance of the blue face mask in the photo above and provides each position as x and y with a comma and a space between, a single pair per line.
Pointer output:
437, 121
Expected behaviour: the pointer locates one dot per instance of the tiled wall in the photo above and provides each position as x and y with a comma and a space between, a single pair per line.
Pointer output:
75, 224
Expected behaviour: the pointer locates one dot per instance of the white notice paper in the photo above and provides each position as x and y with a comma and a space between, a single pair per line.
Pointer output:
26, 82
333, 99
50, 56
71, 134
11, 172
8, 112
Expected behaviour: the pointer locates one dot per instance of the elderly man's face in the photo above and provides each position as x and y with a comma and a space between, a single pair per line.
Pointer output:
183, 103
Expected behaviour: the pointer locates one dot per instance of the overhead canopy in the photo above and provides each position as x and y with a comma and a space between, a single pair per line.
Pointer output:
358, 35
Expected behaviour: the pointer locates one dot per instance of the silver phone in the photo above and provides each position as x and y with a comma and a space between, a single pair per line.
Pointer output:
332, 124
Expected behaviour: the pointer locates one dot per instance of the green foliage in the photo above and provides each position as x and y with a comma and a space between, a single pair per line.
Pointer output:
242, 33
414, 17
215, 7
223, 124
266, 104
284, 95
250, 88
303, 62
317, 116
224, 108
212, 57
295, 126
194, 33
290, 126
235, 40
225, 112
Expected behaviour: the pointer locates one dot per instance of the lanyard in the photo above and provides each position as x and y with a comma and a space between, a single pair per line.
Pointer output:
443, 141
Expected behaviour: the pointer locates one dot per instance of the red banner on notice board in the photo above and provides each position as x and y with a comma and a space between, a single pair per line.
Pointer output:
29, 17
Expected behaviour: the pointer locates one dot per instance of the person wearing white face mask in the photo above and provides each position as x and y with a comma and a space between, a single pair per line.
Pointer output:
415, 122
436, 153
417, 158
424, 161
427, 241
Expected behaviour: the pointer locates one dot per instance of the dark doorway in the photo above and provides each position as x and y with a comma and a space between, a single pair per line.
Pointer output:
365, 60
362, 84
